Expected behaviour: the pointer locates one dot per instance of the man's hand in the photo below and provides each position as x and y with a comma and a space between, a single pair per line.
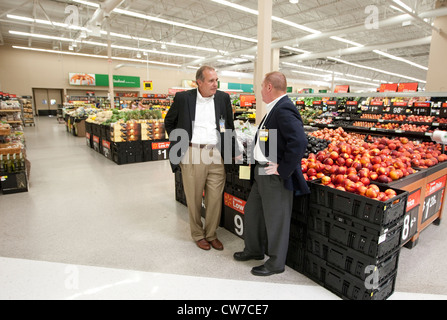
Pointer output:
272, 169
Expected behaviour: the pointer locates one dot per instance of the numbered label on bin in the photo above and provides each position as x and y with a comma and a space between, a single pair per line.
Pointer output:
160, 150
235, 221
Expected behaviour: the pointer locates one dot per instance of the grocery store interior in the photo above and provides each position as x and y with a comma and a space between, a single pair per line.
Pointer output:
90, 208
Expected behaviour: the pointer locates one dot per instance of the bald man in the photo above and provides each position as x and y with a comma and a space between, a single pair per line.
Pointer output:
279, 146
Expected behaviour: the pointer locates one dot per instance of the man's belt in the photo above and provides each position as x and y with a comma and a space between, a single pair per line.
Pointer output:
202, 146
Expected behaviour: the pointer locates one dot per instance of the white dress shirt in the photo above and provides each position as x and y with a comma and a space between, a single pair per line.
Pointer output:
258, 155
204, 126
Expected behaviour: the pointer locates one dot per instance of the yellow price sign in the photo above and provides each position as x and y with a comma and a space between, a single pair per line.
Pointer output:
148, 86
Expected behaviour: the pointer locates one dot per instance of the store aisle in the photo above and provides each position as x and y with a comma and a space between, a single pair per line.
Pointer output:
120, 229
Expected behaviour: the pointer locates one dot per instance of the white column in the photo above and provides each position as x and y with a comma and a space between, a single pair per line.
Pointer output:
275, 59
109, 53
263, 59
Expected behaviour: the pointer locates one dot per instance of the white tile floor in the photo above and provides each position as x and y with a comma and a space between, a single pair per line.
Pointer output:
90, 229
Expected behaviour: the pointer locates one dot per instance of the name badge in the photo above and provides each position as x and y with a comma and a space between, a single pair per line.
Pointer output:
263, 135
222, 125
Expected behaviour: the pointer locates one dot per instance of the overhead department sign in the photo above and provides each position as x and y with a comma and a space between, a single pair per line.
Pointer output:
102, 80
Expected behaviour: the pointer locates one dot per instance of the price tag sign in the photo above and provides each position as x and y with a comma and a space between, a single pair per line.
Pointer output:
422, 108
410, 225
375, 107
300, 104
434, 197
399, 108
351, 106
443, 111
318, 105
234, 214
160, 150
332, 106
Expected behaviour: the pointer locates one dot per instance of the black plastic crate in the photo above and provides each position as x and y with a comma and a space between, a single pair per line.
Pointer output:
179, 191
127, 158
300, 208
89, 139
345, 285
96, 129
346, 232
105, 131
351, 261
382, 213
14, 182
297, 245
147, 150
106, 149
96, 143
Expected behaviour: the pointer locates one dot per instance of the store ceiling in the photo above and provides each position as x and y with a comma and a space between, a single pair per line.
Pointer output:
187, 33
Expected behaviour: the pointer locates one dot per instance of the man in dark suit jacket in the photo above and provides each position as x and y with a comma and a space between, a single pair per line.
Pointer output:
279, 146
200, 127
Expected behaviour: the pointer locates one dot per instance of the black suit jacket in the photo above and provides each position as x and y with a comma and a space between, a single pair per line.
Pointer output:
284, 122
181, 116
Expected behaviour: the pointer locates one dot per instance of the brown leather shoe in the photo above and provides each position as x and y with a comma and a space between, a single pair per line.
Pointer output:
203, 244
217, 244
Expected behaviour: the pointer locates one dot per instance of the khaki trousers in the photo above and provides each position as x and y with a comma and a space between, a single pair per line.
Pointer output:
203, 170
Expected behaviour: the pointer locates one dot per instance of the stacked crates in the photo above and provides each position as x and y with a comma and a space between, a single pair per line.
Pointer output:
353, 242
236, 194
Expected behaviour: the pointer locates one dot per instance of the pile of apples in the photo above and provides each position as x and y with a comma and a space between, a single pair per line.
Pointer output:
352, 165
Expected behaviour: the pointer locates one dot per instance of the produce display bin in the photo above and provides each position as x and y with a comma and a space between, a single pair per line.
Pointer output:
427, 187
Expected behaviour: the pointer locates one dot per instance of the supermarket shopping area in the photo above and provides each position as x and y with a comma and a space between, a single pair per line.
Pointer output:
91, 229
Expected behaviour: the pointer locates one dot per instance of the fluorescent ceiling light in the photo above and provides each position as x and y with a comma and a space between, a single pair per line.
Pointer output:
113, 34
348, 42
400, 59
172, 23
329, 73
181, 25
95, 56
296, 49
403, 5
87, 3
356, 81
42, 36
310, 74
256, 12
376, 70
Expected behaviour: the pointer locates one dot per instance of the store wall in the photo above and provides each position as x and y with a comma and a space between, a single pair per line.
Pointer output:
21, 70
437, 67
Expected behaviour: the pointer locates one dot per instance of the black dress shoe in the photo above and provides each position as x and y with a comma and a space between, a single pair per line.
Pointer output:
263, 271
242, 256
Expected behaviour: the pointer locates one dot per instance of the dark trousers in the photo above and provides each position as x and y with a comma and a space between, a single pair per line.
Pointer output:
267, 219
